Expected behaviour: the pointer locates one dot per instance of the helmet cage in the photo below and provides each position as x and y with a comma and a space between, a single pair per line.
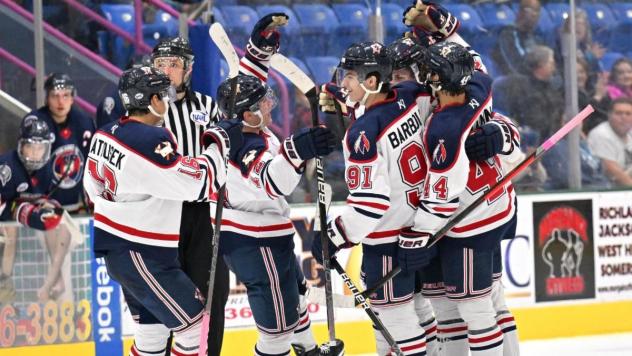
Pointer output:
34, 163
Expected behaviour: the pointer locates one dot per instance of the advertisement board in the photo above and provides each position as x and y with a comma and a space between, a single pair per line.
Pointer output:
569, 248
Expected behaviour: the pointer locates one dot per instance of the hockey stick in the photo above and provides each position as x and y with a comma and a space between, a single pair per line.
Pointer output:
361, 300
307, 87
543, 148
221, 40
295, 75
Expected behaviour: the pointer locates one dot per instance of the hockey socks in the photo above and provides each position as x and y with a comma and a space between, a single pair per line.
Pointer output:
303, 335
507, 325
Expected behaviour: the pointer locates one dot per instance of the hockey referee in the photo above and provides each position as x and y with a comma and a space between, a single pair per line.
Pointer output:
187, 118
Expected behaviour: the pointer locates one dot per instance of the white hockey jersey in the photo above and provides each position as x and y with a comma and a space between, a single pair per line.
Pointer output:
452, 181
384, 167
259, 178
137, 181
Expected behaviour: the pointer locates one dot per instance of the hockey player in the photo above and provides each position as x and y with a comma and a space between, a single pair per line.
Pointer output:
409, 58
72, 131
257, 233
22, 194
452, 181
264, 42
384, 166
137, 181
188, 116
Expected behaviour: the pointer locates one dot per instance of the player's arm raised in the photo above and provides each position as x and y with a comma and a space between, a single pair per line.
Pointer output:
264, 42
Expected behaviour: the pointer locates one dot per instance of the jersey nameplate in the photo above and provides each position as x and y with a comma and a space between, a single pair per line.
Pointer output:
405, 129
112, 155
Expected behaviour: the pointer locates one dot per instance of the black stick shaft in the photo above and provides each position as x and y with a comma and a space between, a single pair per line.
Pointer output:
362, 301
312, 96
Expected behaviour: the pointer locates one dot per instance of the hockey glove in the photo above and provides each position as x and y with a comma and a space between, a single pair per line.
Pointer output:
337, 240
412, 253
226, 134
43, 214
329, 94
491, 139
265, 37
431, 18
308, 143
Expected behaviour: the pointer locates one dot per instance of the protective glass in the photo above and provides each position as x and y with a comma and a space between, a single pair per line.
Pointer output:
341, 73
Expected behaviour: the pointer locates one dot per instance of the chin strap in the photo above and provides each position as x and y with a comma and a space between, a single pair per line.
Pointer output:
368, 92
257, 126
155, 113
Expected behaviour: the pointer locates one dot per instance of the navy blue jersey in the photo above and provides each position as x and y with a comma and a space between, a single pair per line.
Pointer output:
17, 184
110, 109
68, 154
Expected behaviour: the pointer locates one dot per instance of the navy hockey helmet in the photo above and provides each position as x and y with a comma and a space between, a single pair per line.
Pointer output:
365, 58
249, 95
34, 142
406, 53
137, 86
56, 81
174, 47
453, 64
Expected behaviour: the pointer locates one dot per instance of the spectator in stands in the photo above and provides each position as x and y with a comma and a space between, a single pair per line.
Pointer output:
612, 142
534, 99
556, 164
621, 79
591, 93
589, 51
514, 41
534, 176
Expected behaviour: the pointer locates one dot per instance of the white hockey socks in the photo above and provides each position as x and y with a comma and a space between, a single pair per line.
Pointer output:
451, 329
505, 320
149, 340
428, 322
403, 324
273, 345
484, 336
187, 341
303, 334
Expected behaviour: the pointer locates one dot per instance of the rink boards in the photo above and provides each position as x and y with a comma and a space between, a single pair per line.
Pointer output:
567, 272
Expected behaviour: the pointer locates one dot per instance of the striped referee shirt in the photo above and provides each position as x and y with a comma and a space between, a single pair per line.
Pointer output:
187, 118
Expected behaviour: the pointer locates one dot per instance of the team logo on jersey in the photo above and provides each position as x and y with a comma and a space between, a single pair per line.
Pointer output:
474, 104
5, 174
67, 166
199, 117
164, 149
439, 155
362, 144
23, 186
108, 105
